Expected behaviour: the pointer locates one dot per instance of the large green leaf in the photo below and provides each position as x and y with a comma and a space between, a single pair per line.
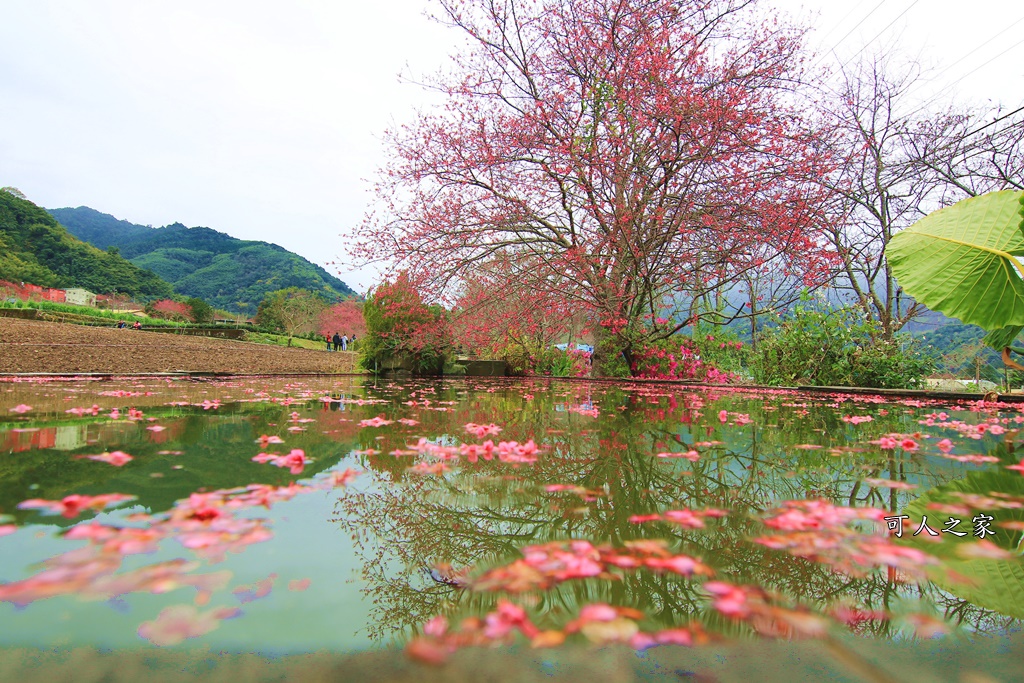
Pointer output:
961, 260
1003, 337
990, 583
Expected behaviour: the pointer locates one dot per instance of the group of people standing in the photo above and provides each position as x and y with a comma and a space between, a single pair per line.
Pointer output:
340, 341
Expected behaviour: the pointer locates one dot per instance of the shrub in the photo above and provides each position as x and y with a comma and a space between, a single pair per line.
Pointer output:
400, 325
169, 309
837, 347
202, 312
678, 358
558, 363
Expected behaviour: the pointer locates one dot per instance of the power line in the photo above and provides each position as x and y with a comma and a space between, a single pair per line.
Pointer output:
946, 87
994, 122
879, 34
964, 57
840, 22
850, 32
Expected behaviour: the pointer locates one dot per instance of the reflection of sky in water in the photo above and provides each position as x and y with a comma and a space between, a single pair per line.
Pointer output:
367, 548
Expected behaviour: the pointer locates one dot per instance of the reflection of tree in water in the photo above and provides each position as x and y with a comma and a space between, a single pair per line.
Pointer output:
482, 514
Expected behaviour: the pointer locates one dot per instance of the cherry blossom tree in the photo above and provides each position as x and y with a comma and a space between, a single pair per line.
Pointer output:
624, 155
496, 314
170, 310
400, 326
345, 317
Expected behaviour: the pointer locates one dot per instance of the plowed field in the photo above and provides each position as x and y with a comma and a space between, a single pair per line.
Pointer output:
32, 346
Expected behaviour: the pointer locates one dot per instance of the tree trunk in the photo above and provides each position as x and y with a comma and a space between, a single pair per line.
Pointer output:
607, 349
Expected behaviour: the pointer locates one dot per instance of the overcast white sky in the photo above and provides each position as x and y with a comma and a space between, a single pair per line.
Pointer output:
263, 119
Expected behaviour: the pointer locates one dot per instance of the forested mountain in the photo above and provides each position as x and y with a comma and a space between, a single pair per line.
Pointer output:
35, 248
227, 272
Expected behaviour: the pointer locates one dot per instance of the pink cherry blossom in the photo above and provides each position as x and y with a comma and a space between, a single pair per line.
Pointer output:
481, 431
117, 458
74, 505
177, 623
378, 421
295, 461
729, 600
265, 440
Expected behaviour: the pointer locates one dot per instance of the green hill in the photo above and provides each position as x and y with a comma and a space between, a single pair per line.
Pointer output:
35, 248
202, 262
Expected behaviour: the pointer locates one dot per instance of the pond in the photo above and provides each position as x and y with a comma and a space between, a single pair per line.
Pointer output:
438, 515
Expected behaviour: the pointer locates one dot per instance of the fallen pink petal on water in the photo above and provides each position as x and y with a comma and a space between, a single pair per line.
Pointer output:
176, 624
20, 408
117, 458
74, 505
378, 421
983, 550
299, 585
889, 484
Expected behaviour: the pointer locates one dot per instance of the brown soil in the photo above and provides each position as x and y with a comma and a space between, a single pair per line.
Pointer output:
29, 346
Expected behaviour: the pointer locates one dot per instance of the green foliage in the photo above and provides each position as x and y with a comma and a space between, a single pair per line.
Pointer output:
35, 248
559, 363
961, 260
202, 312
722, 348
205, 263
613, 363
518, 360
86, 314
959, 351
292, 311
837, 347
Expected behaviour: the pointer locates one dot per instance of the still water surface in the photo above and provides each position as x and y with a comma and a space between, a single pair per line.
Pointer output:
295, 515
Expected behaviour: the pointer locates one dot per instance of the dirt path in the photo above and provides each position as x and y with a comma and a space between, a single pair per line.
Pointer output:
33, 346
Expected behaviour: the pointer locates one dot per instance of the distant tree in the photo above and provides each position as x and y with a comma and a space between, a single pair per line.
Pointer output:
13, 191
202, 312
499, 314
399, 323
291, 311
169, 309
345, 317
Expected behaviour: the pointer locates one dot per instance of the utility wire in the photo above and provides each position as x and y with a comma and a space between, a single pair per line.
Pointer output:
850, 32
879, 34
983, 44
839, 23
946, 87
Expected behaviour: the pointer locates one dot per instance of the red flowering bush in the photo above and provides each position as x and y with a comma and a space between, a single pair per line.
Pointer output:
678, 359
169, 310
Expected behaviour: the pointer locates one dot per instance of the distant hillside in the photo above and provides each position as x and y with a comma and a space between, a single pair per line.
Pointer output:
35, 248
223, 270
